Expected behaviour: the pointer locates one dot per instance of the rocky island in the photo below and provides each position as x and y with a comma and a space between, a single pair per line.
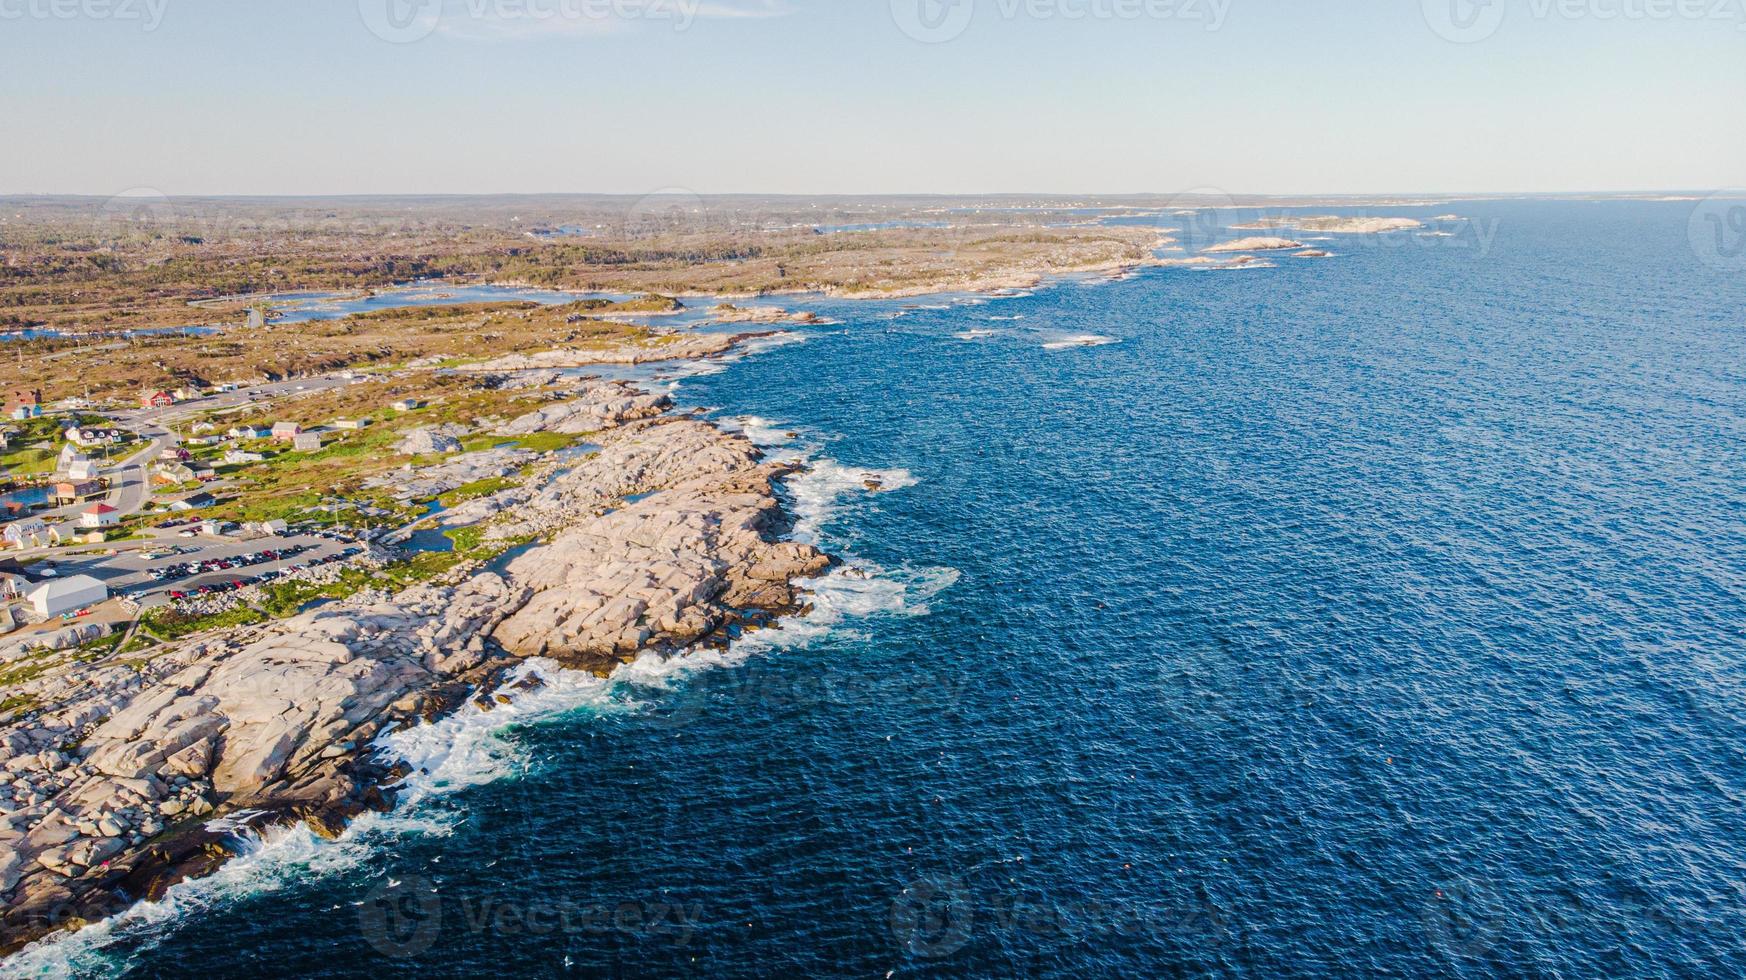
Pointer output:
1255, 245
1331, 224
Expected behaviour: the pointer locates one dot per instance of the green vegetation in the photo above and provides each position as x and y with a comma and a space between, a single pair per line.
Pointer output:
140, 641
469, 538
29, 461
548, 442
18, 702
476, 489
28, 667
167, 623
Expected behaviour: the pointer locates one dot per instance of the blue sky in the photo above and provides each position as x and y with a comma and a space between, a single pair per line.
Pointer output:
820, 96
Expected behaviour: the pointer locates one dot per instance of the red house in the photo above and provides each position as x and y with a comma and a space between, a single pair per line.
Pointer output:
156, 399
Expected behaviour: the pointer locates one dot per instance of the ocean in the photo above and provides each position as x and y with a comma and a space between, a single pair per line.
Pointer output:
1382, 614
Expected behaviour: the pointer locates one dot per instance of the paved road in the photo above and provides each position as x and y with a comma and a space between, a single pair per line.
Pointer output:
130, 492
131, 480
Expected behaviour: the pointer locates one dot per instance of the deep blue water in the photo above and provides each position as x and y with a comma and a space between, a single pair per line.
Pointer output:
1383, 614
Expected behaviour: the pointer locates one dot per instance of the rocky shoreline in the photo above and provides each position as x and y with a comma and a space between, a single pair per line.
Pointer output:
666, 538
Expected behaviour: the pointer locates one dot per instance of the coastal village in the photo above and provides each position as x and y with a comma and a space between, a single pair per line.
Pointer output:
232, 557
383, 542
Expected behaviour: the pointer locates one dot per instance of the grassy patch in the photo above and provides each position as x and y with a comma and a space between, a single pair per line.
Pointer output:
169, 624
18, 702
476, 489
139, 642
548, 442
466, 539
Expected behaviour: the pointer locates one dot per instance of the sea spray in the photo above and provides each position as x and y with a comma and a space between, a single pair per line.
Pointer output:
472, 747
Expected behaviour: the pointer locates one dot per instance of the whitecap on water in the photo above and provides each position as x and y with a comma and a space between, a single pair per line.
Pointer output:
472, 747
1079, 340
763, 432
976, 333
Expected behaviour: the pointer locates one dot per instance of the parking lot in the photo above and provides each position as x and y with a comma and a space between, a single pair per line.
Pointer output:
180, 560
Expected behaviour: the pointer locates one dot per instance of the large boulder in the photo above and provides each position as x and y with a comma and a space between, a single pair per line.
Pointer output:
428, 442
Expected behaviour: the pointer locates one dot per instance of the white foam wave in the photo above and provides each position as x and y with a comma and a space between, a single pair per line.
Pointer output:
1080, 340
472, 747
286, 857
781, 338
819, 491
976, 333
763, 432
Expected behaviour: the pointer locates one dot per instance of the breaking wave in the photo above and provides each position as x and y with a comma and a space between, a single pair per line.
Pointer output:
1080, 340
472, 747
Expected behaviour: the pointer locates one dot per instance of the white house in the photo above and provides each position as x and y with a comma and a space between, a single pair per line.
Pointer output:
93, 437
249, 432
274, 526
237, 456
193, 502
70, 454
407, 405
30, 533
351, 425
98, 516
306, 442
67, 594
84, 469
